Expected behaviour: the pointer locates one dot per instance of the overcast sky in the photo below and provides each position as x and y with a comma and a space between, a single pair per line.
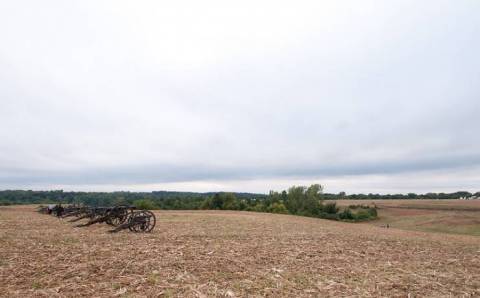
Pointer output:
359, 96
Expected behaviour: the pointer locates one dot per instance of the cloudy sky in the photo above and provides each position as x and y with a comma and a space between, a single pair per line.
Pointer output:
360, 96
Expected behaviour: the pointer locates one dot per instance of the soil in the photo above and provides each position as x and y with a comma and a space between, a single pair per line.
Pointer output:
231, 254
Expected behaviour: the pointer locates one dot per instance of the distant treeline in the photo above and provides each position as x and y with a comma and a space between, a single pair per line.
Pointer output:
168, 200
298, 200
187, 200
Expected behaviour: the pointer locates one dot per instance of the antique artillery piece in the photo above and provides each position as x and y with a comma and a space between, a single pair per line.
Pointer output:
120, 217
114, 216
142, 221
88, 212
74, 210
42, 209
51, 209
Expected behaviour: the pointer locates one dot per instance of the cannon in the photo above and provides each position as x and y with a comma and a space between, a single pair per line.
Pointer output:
74, 210
121, 217
42, 209
114, 216
142, 221
89, 212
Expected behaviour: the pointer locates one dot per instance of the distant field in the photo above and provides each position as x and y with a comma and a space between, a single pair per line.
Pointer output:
231, 254
445, 216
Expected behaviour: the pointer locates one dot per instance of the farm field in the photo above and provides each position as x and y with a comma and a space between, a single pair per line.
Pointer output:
444, 216
231, 254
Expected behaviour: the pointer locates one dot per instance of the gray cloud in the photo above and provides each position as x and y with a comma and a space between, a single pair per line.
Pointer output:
106, 93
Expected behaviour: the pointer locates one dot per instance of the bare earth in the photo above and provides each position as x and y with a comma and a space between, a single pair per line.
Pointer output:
215, 253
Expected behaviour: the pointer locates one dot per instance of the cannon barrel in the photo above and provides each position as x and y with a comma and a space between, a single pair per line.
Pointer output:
99, 219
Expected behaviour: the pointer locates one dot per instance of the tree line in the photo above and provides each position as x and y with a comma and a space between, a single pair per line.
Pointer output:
171, 200
297, 200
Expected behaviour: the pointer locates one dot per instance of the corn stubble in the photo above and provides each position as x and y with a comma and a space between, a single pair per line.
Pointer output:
231, 254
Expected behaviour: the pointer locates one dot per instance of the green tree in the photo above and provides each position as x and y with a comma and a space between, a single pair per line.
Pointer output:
278, 208
145, 204
304, 201
295, 196
217, 202
229, 201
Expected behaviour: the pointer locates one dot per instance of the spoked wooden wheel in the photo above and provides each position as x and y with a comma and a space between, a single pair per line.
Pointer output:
119, 217
142, 221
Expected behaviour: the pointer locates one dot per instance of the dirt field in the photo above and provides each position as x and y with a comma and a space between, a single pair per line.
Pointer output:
202, 254
443, 216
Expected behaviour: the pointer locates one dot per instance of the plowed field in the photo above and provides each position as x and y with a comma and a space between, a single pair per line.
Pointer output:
231, 254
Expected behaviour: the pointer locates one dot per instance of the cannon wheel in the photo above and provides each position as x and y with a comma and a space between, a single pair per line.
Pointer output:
146, 221
120, 218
